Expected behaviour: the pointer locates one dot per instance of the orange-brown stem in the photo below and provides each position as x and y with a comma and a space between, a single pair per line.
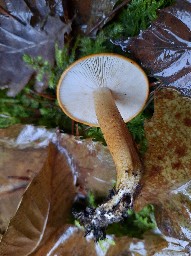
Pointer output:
128, 167
118, 139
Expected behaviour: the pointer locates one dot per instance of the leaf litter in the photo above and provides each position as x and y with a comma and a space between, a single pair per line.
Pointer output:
45, 207
22, 153
164, 49
165, 183
89, 15
27, 28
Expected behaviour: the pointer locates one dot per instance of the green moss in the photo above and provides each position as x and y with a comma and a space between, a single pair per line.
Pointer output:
63, 58
136, 224
137, 16
136, 128
89, 46
31, 107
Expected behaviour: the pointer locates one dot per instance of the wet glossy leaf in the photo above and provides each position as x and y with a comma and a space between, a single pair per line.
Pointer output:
24, 147
70, 241
166, 182
93, 164
44, 208
22, 154
164, 49
153, 244
27, 28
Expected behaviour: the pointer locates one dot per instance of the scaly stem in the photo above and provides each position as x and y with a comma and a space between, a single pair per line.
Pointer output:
118, 139
128, 167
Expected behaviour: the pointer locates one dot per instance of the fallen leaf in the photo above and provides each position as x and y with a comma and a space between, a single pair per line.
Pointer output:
25, 149
47, 7
153, 244
27, 28
90, 12
164, 49
166, 181
45, 207
93, 164
22, 154
40, 224
70, 241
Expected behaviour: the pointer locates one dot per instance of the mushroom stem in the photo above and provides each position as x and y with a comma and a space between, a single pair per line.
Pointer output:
98, 108
128, 167
119, 141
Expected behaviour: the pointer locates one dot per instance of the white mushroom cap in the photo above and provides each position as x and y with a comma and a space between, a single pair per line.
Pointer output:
126, 80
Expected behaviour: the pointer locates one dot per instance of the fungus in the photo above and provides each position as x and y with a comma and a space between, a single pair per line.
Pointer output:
106, 91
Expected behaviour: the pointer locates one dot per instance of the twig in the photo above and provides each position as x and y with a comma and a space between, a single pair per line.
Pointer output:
151, 96
104, 20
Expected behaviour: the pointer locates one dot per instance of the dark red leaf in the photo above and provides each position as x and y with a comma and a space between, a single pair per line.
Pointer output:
164, 49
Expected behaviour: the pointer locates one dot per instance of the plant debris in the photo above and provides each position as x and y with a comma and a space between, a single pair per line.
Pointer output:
44, 230
27, 28
164, 48
90, 14
44, 208
25, 148
166, 179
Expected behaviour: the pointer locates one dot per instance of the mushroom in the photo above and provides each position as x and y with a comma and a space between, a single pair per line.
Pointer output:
106, 91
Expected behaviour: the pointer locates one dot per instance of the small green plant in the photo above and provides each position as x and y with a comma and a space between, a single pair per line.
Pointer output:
106, 243
137, 16
78, 225
82, 46
91, 200
94, 133
136, 128
135, 224
89, 45
40, 65
29, 107
63, 58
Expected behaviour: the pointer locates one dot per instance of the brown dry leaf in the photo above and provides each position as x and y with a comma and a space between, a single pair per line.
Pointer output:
93, 164
166, 182
164, 49
70, 241
153, 244
22, 154
44, 208
39, 209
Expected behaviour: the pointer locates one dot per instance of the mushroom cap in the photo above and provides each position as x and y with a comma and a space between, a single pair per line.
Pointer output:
126, 80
